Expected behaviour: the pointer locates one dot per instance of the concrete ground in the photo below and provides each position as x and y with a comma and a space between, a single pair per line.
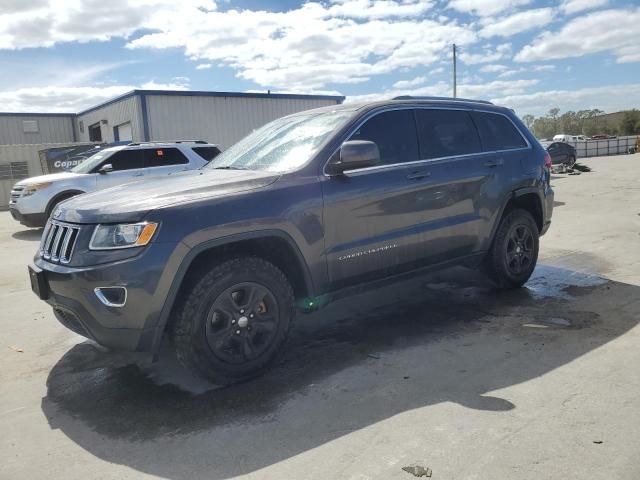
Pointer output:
443, 372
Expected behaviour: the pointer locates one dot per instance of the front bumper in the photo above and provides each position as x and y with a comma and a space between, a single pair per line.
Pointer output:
31, 220
132, 327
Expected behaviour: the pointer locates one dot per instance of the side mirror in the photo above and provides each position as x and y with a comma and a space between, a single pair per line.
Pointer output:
355, 154
106, 168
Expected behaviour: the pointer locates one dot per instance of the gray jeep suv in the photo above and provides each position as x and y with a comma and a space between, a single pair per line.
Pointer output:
307, 208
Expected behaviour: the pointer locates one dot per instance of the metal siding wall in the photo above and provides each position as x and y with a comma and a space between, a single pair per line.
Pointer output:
50, 130
127, 110
222, 120
21, 153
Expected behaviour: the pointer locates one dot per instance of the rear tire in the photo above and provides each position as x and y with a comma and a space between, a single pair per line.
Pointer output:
514, 251
232, 323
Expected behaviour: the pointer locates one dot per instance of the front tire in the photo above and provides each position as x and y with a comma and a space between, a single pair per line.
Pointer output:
232, 323
514, 252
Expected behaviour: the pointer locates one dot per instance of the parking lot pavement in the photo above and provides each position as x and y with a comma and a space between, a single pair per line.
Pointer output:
442, 371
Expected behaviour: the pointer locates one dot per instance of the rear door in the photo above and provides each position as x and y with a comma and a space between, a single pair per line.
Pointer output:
163, 161
128, 166
509, 156
457, 202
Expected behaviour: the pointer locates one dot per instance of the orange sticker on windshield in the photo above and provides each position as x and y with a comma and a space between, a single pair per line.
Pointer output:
159, 152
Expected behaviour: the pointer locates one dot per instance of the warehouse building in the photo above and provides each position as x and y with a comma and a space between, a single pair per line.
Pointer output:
147, 115
142, 115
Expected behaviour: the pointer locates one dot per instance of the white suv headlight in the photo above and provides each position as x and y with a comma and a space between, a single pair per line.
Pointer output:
33, 188
124, 235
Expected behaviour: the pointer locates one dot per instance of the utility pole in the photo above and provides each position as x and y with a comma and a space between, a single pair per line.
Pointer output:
455, 80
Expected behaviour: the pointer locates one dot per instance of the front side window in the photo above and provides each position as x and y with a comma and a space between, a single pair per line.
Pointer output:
446, 133
395, 134
161, 157
283, 145
89, 165
497, 132
126, 160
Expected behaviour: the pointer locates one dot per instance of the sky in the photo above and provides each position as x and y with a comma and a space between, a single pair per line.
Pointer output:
530, 55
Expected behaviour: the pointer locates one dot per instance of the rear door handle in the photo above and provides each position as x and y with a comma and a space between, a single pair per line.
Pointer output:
494, 163
418, 175
138, 174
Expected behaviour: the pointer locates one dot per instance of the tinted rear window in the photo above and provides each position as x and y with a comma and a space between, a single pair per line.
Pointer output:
160, 157
497, 132
208, 153
446, 133
395, 134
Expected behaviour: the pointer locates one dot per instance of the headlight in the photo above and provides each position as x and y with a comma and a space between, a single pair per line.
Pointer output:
126, 235
33, 188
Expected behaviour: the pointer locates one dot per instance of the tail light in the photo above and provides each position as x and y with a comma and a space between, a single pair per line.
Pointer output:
547, 160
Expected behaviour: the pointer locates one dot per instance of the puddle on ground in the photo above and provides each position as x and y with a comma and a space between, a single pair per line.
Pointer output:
555, 282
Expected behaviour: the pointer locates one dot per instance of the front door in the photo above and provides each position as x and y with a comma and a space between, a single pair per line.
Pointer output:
128, 166
370, 213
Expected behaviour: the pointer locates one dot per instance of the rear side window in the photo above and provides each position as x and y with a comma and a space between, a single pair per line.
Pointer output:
395, 134
446, 133
126, 160
160, 157
497, 132
208, 153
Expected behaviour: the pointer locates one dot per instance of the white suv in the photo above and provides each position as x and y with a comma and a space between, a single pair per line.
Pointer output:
33, 199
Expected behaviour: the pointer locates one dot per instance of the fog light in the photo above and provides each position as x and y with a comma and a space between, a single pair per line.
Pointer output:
112, 296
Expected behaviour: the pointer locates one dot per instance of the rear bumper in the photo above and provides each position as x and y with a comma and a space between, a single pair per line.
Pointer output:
31, 220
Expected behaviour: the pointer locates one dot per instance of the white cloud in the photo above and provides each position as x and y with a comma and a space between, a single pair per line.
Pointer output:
312, 46
494, 68
486, 7
609, 98
204, 66
436, 71
410, 83
45, 23
488, 55
517, 23
467, 89
574, 6
379, 8
543, 68
614, 31
71, 99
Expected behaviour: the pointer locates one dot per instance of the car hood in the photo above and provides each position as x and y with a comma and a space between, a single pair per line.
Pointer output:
52, 177
131, 202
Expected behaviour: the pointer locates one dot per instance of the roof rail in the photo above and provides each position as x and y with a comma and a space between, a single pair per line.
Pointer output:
201, 142
446, 99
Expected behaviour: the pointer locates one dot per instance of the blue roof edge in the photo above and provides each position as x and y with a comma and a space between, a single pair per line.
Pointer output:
35, 114
183, 93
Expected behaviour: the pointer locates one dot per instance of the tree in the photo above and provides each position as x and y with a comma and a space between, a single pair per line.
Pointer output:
630, 123
528, 120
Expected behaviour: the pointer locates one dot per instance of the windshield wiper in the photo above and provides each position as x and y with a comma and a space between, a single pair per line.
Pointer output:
230, 167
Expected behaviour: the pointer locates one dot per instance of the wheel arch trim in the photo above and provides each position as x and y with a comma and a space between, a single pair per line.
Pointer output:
199, 248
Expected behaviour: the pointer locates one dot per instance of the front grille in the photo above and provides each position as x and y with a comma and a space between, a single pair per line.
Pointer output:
16, 193
58, 240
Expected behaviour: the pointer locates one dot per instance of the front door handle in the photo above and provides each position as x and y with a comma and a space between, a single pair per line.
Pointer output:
418, 175
494, 163
138, 174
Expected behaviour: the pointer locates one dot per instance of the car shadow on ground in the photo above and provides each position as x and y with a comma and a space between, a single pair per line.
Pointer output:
351, 365
30, 235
